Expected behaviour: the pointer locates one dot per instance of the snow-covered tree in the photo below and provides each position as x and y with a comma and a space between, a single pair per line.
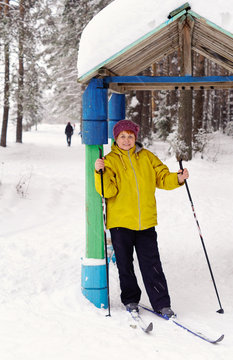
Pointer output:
71, 17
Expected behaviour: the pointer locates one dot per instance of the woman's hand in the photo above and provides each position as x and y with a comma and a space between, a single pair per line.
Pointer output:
182, 176
99, 164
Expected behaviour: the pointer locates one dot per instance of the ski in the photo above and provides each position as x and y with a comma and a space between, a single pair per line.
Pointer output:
191, 331
140, 322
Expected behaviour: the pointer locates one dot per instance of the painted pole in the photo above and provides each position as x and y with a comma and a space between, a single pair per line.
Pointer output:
116, 111
105, 236
94, 222
94, 134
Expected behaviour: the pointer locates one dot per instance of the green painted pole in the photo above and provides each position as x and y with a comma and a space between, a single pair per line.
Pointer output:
94, 214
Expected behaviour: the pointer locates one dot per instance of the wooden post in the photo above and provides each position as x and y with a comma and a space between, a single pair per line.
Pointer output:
185, 110
94, 134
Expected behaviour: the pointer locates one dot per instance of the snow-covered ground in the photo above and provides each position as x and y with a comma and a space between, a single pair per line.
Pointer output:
43, 314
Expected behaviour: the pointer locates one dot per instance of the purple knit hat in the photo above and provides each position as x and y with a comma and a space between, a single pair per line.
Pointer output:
125, 125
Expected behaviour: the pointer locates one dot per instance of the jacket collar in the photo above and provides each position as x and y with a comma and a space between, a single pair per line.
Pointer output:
137, 147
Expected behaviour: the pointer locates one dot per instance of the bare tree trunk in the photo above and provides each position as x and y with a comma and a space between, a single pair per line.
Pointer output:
19, 127
146, 110
223, 103
208, 99
173, 94
154, 98
185, 125
6, 82
141, 112
198, 109
230, 102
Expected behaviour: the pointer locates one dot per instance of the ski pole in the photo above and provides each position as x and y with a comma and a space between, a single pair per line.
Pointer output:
220, 311
105, 236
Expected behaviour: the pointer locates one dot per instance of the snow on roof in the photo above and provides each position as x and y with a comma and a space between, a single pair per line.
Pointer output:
124, 21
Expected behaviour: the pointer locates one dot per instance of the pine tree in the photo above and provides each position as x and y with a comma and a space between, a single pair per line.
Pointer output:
69, 24
21, 29
28, 75
4, 14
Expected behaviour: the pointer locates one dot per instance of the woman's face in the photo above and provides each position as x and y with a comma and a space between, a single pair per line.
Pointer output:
126, 140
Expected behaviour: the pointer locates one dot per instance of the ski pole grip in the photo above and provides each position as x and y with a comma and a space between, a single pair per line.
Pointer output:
100, 153
100, 156
101, 173
181, 165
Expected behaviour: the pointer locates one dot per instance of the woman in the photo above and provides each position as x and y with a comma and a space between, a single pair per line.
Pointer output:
130, 176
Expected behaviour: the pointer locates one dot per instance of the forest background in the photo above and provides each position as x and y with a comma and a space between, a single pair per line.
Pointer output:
39, 43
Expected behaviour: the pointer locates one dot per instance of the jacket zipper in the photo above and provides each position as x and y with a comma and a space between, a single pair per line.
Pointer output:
139, 210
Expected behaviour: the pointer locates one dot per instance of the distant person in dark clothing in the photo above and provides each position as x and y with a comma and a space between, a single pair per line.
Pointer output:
69, 132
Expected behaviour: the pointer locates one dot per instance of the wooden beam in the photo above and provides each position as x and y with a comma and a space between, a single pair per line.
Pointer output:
214, 44
116, 88
106, 72
226, 65
121, 88
121, 83
185, 28
173, 13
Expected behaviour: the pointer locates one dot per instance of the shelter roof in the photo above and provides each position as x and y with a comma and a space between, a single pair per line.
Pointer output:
208, 39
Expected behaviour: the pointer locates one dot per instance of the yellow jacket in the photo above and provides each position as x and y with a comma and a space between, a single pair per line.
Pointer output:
130, 179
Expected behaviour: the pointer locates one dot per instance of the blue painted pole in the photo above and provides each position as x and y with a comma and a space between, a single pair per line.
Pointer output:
94, 134
95, 114
116, 111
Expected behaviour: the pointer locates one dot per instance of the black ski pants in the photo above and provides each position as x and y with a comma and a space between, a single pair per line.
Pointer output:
145, 243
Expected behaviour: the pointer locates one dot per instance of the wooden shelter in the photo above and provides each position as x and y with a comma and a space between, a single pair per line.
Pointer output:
185, 31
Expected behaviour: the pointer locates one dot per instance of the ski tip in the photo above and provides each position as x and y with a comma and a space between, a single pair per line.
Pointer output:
219, 339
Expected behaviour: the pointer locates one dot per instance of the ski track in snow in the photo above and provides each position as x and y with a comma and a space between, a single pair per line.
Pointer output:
42, 240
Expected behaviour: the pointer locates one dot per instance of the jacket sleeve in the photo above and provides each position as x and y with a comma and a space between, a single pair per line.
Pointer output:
109, 181
164, 178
